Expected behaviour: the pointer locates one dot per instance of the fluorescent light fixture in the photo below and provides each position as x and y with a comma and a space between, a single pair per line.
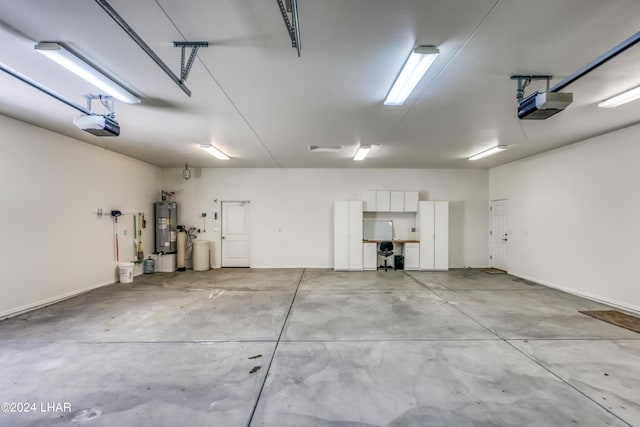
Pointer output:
363, 151
214, 151
319, 149
623, 98
489, 152
418, 63
57, 53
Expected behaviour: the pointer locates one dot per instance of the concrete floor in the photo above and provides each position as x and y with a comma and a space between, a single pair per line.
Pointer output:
461, 348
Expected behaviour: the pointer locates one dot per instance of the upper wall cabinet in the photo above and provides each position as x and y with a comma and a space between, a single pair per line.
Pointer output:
383, 201
390, 201
369, 201
396, 201
411, 201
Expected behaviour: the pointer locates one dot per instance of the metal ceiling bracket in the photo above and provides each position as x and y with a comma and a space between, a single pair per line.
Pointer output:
525, 80
106, 100
293, 25
144, 46
185, 68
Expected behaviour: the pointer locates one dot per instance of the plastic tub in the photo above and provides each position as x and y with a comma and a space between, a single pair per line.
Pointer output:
126, 272
200, 255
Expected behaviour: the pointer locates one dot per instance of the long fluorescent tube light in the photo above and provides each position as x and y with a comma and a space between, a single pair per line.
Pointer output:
214, 151
318, 149
363, 151
418, 63
57, 53
489, 152
623, 98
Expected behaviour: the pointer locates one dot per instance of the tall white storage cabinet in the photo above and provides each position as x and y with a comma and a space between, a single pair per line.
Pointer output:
433, 231
347, 236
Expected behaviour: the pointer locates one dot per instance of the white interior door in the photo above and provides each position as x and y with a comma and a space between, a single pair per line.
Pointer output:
235, 234
499, 235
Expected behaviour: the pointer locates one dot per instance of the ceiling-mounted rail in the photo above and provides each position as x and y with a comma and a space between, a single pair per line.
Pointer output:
293, 25
144, 46
18, 75
296, 23
597, 62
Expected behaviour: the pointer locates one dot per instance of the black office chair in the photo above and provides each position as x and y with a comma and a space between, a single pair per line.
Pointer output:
386, 250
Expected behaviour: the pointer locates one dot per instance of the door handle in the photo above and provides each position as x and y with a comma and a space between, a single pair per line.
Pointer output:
223, 237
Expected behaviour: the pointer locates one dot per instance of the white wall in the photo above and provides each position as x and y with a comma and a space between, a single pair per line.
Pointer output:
52, 245
291, 209
574, 217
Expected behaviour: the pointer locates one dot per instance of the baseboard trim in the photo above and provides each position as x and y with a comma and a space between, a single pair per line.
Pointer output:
596, 298
16, 311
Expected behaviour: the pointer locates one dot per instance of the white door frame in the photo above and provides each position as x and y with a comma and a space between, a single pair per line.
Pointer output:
244, 203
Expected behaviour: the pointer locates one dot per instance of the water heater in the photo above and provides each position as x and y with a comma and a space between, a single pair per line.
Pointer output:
166, 219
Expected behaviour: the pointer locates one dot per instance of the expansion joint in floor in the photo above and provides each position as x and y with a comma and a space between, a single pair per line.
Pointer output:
275, 348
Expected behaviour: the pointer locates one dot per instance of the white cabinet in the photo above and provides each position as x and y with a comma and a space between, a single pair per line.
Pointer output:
389, 201
433, 232
411, 201
396, 201
369, 256
383, 201
441, 238
412, 256
369, 201
347, 236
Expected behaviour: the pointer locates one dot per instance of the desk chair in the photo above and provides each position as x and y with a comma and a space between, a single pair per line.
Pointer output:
386, 250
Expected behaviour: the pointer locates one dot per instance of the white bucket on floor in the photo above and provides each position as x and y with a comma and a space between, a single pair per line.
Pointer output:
200, 255
126, 272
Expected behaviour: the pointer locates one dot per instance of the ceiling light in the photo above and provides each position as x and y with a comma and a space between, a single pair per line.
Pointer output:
186, 172
362, 152
317, 149
489, 152
214, 151
623, 98
57, 53
418, 63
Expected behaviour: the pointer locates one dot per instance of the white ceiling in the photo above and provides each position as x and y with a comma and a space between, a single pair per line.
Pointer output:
258, 102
